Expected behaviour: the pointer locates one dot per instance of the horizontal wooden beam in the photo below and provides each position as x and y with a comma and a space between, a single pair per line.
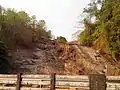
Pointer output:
58, 77
22, 88
61, 80
110, 87
7, 76
36, 76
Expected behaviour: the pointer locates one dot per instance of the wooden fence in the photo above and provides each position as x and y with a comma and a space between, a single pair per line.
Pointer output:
53, 81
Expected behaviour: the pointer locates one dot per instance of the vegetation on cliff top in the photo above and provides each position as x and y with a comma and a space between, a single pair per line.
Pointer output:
105, 28
18, 28
61, 39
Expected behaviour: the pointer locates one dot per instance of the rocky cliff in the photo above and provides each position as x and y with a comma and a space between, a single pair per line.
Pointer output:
52, 57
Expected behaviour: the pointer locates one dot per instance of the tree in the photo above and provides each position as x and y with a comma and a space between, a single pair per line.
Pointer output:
106, 25
4, 59
18, 28
61, 39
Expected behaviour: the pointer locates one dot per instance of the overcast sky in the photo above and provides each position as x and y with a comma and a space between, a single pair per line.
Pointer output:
61, 16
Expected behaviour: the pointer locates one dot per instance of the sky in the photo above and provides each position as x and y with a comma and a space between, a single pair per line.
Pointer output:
61, 16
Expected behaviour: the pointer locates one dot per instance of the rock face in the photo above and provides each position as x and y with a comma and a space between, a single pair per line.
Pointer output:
48, 57
81, 60
41, 59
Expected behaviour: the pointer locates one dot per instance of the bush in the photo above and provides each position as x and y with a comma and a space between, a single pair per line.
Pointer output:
4, 59
85, 39
61, 39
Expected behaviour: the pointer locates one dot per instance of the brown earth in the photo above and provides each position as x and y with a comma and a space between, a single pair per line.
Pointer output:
41, 59
49, 56
80, 60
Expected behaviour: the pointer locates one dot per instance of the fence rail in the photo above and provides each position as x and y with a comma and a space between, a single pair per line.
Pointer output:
50, 82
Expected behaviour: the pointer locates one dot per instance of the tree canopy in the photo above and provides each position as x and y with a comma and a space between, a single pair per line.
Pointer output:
106, 26
18, 27
61, 39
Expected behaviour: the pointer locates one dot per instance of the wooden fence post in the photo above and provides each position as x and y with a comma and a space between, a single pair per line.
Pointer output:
53, 80
19, 79
97, 82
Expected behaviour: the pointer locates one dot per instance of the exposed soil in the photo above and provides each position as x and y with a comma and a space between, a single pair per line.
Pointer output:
41, 59
52, 57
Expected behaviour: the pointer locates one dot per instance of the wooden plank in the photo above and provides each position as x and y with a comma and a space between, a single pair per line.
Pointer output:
46, 76
58, 77
19, 79
76, 88
72, 84
72, 78
45, 79
24, 79
61, 80
25, 82
31, 88
68, 84
113, 85
84, 77
37, 76
36, 82
59, 83
7, 76
97, 82
24, 76
114, 79
53, 78
23, 88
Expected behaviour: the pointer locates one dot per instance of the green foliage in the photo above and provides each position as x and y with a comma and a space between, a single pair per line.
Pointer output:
4, 59
17, 27
111, 14
61, 39
106, 25
86, 37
